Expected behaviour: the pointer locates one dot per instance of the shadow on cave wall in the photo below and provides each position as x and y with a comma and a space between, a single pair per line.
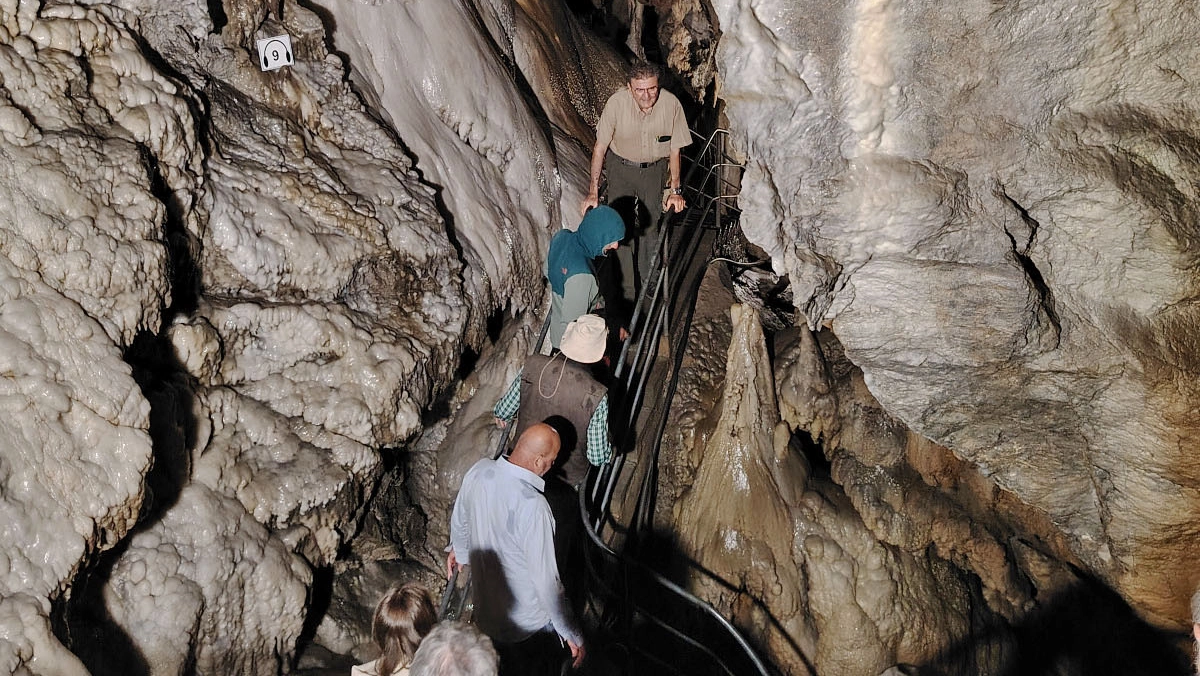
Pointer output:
1086, 629
82, 622
84, 625
639, 609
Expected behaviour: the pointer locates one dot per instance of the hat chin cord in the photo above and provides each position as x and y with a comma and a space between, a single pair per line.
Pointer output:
557, 382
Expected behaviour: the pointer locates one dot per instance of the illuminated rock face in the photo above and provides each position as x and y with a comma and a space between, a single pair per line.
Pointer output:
995, 216
318, 302
222, 291
835, 597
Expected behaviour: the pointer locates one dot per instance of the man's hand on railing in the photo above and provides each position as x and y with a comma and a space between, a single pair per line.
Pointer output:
592, 200
452, 565
577, 654
675, 203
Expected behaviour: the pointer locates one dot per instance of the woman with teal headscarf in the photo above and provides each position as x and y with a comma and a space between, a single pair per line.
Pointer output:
574, 291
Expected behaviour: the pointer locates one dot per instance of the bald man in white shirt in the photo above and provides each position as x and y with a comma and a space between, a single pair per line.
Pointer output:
503, 528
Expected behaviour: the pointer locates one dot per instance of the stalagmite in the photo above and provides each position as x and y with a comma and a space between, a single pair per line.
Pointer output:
814, 584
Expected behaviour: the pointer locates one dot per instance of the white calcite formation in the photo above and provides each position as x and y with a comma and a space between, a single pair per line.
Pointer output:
323, 272
448, 90
205, 573
993, 208
83, 268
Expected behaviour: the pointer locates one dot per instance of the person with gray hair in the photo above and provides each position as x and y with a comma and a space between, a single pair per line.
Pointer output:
639, 138
1196, 626
455, 649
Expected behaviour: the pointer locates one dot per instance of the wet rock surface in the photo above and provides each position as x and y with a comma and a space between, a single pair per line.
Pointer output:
976, 204
252, 324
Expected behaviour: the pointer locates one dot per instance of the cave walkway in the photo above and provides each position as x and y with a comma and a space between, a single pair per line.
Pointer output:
634, 579
638, 618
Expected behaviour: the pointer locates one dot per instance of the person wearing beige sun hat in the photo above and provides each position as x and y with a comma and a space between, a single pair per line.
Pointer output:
561, 390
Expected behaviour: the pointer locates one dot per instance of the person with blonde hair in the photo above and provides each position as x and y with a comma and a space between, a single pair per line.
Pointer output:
403, 617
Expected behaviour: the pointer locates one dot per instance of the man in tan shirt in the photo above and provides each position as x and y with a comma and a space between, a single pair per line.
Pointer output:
638, 139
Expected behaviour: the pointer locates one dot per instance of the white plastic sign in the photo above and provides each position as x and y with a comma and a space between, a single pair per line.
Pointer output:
276, 52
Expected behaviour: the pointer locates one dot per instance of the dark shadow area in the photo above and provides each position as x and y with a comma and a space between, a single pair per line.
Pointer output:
83, 624
649, 37
1086, 629
820, 466
568, 539
320, 596
216, 13
181, 245
609, 278
82, 621
167, 387
655, 629
598, 21
569, 443
390, 514
470, 356
490, 591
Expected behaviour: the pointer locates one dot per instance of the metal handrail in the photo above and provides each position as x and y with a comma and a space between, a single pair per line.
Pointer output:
708, 144
632, 372
665, 220
656, 295
652, 295
452, 582
677, 591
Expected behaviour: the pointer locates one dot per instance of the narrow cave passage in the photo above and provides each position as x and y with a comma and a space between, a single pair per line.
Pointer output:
252, 353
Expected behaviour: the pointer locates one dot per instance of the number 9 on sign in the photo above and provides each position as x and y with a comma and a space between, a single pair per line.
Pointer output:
275, 52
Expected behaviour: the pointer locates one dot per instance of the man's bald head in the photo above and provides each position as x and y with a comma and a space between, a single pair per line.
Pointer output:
537, 449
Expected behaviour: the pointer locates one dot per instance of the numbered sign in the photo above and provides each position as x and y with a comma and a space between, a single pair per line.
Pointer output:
275, 52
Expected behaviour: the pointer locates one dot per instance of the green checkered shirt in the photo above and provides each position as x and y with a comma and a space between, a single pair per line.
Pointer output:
599, 450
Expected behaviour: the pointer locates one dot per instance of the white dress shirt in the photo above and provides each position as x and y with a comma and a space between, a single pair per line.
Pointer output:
502, 527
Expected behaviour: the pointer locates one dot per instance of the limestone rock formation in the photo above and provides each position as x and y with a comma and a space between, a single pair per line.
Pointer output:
835, 598
229, 298
991, 206
83, 270
321, 270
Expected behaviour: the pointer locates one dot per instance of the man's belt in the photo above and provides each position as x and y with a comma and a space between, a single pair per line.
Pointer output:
639, 165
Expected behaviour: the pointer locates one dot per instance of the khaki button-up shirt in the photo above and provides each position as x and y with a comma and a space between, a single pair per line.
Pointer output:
643, 137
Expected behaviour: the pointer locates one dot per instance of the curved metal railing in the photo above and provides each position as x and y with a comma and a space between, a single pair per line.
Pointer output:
646, 612
643, 601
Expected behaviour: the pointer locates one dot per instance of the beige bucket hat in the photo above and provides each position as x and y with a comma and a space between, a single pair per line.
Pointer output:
584, 339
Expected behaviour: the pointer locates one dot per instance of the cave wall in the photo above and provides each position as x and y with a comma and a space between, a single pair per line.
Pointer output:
225, 292
992, 207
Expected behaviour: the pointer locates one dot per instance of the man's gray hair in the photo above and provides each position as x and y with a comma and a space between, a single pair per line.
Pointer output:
640, 70
455, 649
